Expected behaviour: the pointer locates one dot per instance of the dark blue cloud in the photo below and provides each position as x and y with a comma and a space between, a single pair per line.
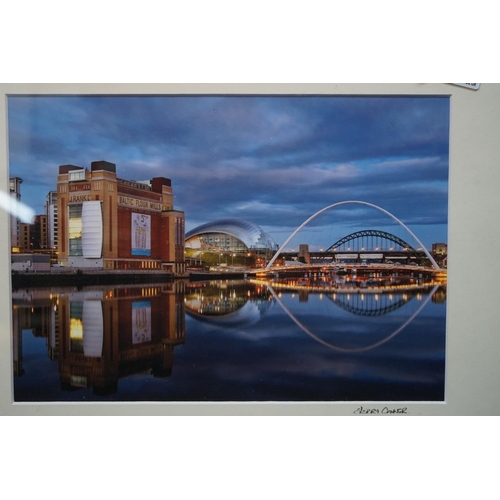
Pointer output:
272, 160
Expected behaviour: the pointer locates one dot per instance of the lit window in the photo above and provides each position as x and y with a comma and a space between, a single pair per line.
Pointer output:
75, 229
76, 327
77, 175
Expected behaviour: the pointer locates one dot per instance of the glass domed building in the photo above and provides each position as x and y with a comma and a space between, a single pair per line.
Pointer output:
230, 235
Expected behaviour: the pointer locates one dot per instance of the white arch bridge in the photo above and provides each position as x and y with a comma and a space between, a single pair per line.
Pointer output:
352, 202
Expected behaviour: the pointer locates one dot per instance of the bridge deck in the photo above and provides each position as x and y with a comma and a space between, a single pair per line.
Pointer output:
350, 289
351, 267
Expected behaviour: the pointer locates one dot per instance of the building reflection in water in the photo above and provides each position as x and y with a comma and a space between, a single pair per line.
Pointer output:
99, 335
33, 310
227, 303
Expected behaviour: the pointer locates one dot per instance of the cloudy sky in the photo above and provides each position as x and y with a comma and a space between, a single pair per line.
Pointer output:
272, 160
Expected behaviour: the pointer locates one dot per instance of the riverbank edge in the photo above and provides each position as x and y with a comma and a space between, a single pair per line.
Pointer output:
31, 280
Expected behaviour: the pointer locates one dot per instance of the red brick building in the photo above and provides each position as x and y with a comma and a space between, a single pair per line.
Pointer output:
111, 223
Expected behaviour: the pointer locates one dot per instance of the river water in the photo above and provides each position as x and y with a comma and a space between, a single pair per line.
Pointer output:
281, 340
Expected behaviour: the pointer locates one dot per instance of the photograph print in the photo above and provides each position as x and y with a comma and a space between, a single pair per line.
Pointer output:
228, 248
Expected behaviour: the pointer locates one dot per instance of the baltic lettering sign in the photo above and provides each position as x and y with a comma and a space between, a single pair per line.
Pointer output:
123, 201
128, 201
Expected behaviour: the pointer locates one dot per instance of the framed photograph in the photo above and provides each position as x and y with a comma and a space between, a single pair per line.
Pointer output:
249, 249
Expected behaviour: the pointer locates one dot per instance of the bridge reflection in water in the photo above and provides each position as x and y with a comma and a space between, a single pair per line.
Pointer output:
370, 307
118, 343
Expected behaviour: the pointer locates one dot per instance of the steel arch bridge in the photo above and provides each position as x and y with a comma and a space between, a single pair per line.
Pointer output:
371, 233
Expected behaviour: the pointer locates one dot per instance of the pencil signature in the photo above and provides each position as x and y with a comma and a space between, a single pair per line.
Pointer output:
403, 410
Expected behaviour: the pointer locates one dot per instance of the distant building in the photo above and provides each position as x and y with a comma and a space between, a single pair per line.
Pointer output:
24, 238
231, 235
51, 213
38, 232
30, 262
111, 223
440, 248
15, 193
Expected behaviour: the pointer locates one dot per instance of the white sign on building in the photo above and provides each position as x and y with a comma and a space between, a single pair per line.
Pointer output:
141, 234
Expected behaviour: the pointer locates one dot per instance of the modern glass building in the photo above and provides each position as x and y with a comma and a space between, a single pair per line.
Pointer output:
230, 235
